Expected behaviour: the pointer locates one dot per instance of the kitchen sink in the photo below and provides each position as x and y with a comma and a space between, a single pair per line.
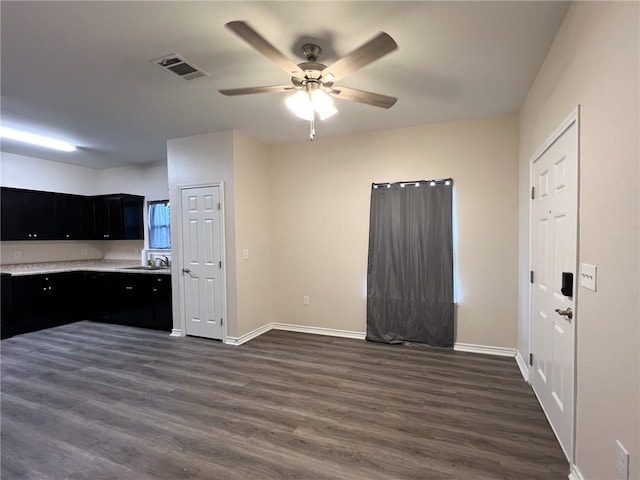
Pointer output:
146, 267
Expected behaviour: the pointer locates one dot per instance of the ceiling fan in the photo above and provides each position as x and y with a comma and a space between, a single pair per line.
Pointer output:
313, 82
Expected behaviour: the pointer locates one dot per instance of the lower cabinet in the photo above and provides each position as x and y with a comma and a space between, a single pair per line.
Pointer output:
131, 300
6, 301
37, 302
162, 310
43, 301
138, 300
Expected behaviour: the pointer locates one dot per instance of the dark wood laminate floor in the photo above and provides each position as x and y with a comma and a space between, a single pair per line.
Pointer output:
96, 401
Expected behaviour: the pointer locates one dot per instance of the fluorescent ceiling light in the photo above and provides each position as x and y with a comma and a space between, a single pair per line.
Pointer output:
36, 139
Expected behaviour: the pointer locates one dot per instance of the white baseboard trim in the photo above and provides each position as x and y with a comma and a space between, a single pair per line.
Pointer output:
237, 341
523, 366
176, 332
333, 332
575, 473
485, 349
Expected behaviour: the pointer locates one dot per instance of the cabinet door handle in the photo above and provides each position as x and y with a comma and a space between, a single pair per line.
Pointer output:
129, 287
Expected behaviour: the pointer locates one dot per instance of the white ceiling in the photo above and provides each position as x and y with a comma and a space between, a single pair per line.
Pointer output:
80, 71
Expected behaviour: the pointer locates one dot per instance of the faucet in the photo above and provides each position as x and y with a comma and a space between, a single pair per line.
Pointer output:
164, 260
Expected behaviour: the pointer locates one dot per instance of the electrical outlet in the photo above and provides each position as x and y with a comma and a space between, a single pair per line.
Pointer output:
622, 461
17, 254
84, 252
305, 300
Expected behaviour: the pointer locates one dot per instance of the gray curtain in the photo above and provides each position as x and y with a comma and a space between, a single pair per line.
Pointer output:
410, 272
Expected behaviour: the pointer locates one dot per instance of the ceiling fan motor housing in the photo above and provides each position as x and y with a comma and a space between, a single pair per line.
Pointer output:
311, 68
311, 51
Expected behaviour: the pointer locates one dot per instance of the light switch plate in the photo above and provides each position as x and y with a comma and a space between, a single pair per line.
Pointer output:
245, 254
588, 276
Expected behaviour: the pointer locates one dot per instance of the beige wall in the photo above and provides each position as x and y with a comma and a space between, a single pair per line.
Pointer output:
148, 179
320, 194
253, 233
594, 62
203, 160
242, 164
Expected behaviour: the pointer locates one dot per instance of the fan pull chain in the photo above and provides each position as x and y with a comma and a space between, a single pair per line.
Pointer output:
312, 130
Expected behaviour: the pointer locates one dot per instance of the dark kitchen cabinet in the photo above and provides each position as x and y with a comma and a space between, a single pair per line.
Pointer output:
131, 300
92, 296
43, 301
139, 300
36, 215
36, 302
162, 311
118, 217
6, 302
29, 215
76, 217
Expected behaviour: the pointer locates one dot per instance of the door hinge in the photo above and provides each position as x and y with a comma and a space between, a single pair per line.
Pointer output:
218, 205
533, 193
222, 321
531, 359
220, 264
531, 276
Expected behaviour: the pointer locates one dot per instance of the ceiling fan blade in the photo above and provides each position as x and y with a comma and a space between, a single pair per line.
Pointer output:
253, 38
361, 96
249, 90
374, 49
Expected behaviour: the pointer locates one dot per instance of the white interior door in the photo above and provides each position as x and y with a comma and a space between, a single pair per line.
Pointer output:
202, 271
554, 245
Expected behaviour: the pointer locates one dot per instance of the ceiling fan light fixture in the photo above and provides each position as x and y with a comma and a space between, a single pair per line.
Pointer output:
306, 104
322, 104
300, 104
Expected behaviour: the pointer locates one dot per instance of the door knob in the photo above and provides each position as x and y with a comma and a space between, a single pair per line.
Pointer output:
186, 270
565, 313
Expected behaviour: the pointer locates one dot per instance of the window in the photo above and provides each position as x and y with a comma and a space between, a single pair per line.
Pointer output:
159, 225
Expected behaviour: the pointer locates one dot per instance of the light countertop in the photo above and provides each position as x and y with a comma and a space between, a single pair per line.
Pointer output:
119, 266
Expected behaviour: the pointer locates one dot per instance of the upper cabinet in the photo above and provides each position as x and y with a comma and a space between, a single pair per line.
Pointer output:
118, 217
29, 215
34, 215
76, 217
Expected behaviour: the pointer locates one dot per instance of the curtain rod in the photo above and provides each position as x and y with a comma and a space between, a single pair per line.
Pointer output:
415, 183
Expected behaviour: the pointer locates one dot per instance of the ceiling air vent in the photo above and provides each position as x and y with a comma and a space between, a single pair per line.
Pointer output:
179, 67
